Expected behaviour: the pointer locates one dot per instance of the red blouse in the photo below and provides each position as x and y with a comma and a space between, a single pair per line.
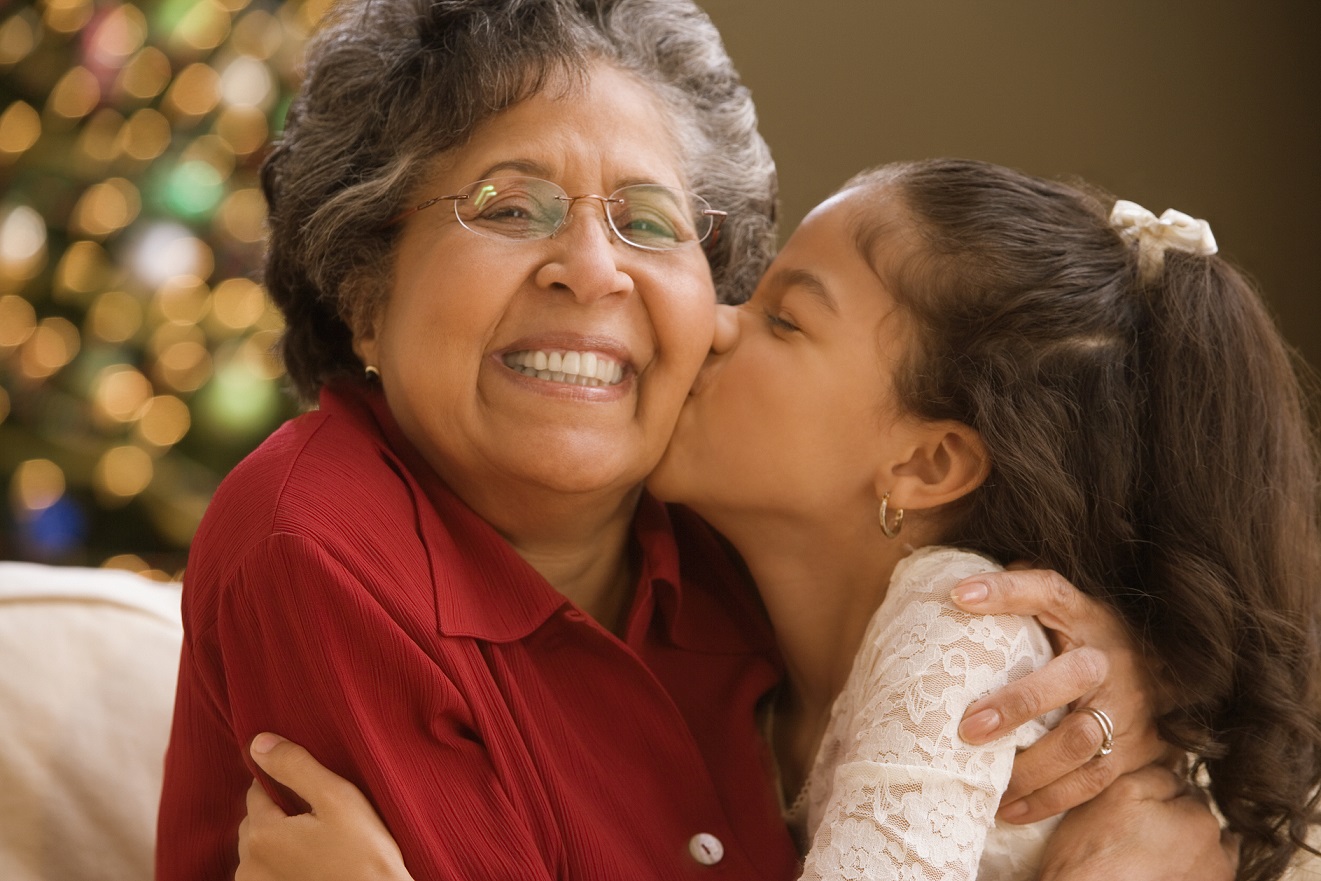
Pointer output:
340, 595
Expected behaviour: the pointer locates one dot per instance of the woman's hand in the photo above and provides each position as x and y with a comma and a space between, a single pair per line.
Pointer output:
341, 838
1096, 665
1147, 826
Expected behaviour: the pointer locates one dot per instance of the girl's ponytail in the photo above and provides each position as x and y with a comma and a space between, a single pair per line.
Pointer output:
1234, 547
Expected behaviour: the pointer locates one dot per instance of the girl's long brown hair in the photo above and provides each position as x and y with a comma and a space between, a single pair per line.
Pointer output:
1148, 440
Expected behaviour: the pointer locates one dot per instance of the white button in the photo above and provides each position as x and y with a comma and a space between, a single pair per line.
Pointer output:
706, 848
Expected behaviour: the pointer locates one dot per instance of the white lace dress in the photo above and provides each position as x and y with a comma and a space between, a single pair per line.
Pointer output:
893, 792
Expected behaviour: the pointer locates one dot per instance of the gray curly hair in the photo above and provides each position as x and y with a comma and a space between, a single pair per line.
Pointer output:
391, 83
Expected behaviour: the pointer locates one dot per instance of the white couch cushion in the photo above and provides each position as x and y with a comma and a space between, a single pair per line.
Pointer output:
88, 661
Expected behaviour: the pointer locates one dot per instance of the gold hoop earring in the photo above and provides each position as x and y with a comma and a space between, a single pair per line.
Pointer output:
371, 373
891, 531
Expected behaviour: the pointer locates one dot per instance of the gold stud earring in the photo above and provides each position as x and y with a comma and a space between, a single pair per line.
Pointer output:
891, 531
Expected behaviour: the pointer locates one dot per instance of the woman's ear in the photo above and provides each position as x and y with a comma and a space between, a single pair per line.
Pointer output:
364, 343
941, 462
364, 323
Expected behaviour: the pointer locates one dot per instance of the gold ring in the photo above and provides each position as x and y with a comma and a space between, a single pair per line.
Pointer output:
1107, 730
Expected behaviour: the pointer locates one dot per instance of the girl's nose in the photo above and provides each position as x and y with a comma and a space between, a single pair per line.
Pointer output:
726, 335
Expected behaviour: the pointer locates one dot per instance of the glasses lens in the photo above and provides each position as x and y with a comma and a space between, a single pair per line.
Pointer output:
658, 218
511, 207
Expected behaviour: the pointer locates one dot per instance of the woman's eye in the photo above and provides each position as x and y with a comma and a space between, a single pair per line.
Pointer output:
510, 215
508, 209
639, 226
779, 323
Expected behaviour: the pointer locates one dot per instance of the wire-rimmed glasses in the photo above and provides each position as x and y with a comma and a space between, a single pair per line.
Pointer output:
647, 216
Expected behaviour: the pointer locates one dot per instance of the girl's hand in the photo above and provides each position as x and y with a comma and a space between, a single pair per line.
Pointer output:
341, 838
1096, 665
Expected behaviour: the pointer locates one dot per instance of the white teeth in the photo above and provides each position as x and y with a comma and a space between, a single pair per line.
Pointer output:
574, 368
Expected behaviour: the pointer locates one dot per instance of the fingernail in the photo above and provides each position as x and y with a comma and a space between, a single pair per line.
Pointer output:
969, 594
979, 724
265, 742
1012, 811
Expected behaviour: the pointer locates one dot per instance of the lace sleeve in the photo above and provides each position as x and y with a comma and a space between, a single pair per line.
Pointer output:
894, 792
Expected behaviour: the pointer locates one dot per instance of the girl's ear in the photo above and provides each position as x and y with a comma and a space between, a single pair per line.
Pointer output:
941, 461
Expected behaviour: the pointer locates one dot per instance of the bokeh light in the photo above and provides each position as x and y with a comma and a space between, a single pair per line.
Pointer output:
20, 128
120, 33
195, 93
243, 128
106, 207
36, 485
183, 300
238, 399
99, 141
163, 251
164, 421
145, 135
75, 95
238, 303
17, 321
146, 76
182, 360
122, 473
83, 269
203, 26
193, 189
52, 345
258, 34
114, 317
242, 216
22, 243
17, 38
119, 394
67, 16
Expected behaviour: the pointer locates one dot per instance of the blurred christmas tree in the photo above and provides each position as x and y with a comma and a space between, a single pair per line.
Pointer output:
135, 344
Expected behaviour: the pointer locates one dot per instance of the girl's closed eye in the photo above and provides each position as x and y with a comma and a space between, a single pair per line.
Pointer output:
780, 323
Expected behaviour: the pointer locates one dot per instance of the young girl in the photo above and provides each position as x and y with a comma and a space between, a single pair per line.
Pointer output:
949, 360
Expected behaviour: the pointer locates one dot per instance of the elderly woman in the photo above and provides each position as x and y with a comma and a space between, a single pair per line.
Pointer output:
498, 228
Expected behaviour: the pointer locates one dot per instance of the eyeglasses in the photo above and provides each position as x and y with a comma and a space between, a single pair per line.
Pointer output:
647, 216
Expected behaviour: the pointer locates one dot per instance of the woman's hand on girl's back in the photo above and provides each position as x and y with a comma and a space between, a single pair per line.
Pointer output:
1097, 665
342, 837
1151, 825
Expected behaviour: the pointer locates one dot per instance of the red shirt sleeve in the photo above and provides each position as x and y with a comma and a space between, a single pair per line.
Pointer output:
294, 643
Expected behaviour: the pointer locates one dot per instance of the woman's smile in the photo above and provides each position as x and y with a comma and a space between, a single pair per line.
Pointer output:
579, 368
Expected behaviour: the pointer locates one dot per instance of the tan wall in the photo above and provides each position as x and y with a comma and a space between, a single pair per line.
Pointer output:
1209, 106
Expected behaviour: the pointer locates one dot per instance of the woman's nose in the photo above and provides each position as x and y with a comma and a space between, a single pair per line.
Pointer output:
726, 335
585, 255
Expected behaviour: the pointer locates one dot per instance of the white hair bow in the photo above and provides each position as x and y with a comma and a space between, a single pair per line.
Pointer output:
1154, 235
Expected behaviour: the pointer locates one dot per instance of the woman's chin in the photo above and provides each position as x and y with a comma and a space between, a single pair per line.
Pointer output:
581, 478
